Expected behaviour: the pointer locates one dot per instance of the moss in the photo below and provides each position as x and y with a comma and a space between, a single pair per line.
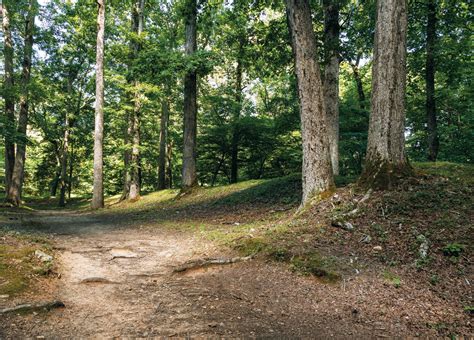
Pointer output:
316, 265
383, 175
15, 268
392, 279
252, 245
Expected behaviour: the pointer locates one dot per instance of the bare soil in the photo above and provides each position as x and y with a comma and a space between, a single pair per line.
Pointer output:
116, 279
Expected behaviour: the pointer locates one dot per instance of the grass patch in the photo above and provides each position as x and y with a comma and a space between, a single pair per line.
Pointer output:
392, 279
320, 266
454, 171
18, 263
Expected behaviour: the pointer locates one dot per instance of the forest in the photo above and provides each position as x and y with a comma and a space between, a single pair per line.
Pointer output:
236, 168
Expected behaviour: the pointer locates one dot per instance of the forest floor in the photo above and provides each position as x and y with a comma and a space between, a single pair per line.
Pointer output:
356, 264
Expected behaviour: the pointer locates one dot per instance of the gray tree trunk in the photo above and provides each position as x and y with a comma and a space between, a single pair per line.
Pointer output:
98, 188
190, 101
317, 169
331, 77
64, 161
358, 80
433, 141
16, 185
234, 163
132, 138
65, 179
165, 115
386, 160
8, 95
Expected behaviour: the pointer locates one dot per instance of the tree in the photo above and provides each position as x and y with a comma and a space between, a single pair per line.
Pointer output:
433, 141
15, 189
132, 156
386, 160
98, 187
317, 169
8, 95
164, 121
190, 100
331, 77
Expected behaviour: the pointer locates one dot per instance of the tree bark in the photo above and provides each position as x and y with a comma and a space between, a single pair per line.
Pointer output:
65, 179
169, 160
317, 168
8, 95
98, 188
165, 115
234, 163
331, 77
71, 168
433, 141
359, 85
16, 185
190, 101
386, 160
132, 155
64, 161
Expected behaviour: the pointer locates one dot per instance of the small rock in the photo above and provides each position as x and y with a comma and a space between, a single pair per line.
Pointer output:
4, 296
43, 256
343, 225
213, 324
424, 246
122, 253
377, 248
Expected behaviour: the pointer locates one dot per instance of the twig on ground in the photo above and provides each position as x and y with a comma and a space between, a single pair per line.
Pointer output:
200, 263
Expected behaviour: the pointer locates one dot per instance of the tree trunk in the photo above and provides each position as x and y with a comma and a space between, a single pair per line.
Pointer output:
234, 166
55, 183
331, 78
218, 168
9, 96
16, 185
234, 159
190, 101
64, 183
132, 181
169, 160
71, 168
165, 115
98, 188
64, 159
358, 80
317, 169
433, 141
386, 160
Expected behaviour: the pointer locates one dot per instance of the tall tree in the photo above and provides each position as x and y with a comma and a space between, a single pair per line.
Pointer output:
331, 77
98, 187
132, 156
16, 185
317, 169
190, 99
358, 81
386, 160
8, 94
164, 121
433, 141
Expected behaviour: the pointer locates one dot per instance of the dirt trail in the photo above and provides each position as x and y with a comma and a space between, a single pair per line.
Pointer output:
117, 280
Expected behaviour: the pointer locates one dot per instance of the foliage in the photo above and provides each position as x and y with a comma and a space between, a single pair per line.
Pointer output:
261, 117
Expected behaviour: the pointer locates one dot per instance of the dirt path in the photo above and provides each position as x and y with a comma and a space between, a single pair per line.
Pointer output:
118, 281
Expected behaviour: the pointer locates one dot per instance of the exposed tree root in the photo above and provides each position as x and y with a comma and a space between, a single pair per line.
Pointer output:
201, 263
30, 308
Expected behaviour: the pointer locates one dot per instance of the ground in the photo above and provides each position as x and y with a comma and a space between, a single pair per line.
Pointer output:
352, 265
